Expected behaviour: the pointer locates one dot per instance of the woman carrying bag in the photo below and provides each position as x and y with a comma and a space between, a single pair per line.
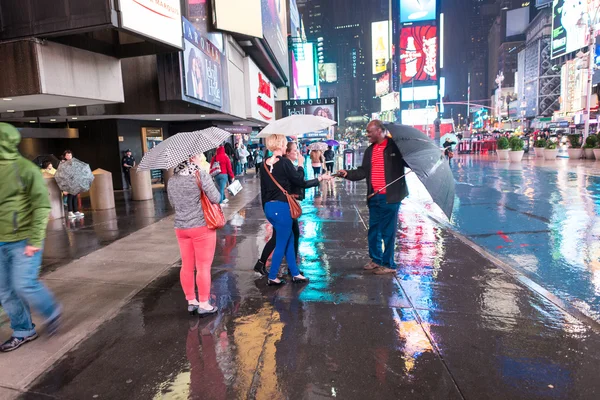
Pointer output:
293, 154
276, 181
195, 199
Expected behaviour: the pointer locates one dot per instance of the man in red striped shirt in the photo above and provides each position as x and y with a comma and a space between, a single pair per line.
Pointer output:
382, 165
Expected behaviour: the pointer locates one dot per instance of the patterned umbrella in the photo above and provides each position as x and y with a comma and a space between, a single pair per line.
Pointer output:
176, 149
318, 146
74, 176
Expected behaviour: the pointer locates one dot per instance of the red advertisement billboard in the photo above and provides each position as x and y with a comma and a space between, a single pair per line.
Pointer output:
418, 53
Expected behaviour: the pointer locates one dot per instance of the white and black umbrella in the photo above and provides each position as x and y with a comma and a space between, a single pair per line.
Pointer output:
74, 176
296, 125
182, 146
320, 146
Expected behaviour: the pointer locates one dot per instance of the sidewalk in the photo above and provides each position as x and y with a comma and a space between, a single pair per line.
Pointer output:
93, 288
451, 325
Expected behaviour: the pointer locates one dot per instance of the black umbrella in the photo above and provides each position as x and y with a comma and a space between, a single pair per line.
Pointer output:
425, 158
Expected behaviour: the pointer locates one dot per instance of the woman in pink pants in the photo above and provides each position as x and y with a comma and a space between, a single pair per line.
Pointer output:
196, 242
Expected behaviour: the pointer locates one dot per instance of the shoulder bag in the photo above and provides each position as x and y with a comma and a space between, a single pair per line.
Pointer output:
213, 214
295, 209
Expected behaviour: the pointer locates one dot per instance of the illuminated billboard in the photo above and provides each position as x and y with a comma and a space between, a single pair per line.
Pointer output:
328, 72
382, 85
418, 53
323, 107
306, 67
380, 42
417, 10
419, 116
274, 21
567, 34
240, 16
418, 93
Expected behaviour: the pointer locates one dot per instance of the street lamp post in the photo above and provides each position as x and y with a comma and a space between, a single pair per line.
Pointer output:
590, 22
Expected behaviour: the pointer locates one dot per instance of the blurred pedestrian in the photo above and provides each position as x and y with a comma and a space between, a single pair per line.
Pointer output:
258, 160
448, 149
48, 168
243, 154
197, 243
23, 219
293, 154
127, 163
72, 203
278, 170
317, 161
226, 172
383, 168
329, 158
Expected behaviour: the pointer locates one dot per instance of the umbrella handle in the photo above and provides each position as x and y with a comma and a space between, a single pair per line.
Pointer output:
369, 197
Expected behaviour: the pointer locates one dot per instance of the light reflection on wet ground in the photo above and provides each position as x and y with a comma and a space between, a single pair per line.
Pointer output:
451, 325
542, 216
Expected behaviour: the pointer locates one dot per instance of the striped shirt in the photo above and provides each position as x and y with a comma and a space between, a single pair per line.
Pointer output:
377, 167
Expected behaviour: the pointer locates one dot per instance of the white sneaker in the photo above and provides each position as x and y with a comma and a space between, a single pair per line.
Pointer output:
79, 214
71, 215
225, 201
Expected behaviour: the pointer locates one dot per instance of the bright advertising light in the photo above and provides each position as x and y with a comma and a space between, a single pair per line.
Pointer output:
418, 53
417, 10
568, 34
380, 42
441, 40
306, 67
419, 93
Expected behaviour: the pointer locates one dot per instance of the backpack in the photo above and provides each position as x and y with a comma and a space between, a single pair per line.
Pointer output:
215, 169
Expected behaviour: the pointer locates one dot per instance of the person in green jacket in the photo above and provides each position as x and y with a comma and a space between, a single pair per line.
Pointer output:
23, 219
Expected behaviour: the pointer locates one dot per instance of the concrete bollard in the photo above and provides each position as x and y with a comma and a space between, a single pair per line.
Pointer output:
167, 174
141, 185
57, 210
102, 194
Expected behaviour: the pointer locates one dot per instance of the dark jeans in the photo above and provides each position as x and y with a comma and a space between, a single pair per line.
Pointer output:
72, 203
329, 166
278, 214
383, 223
127, 174
270, 246
316, 171
258, 167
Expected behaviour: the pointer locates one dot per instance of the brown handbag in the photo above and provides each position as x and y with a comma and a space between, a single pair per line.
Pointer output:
213, 214
295, 209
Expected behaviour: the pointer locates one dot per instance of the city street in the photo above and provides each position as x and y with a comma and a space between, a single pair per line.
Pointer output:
428, 333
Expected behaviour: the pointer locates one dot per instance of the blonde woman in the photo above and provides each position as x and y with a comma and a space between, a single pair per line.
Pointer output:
277, 209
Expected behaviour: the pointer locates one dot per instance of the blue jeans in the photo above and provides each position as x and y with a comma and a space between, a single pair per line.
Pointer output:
221, 181
383, 223
21, 288
278, 214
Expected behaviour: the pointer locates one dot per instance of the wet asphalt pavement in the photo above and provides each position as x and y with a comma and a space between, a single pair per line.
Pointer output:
451, 325
71, 239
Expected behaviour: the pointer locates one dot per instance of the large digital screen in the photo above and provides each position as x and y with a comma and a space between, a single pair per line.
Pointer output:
380, 42
202, 67
418, 53
567, 34
419, 93
240, 16
323, 107
274, 19
382, 85
328, 72
417, 10
517, 21
419, 116
306, 67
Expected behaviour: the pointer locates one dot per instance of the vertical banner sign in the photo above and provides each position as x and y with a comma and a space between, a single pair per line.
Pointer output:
380, 43
418, 53
202, 67
260, 91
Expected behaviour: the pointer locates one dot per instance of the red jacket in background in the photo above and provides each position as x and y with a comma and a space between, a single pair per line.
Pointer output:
224, 162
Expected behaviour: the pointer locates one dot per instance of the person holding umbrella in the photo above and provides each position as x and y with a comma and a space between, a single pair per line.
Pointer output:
73, 177
382, 165
329, 158
189, 184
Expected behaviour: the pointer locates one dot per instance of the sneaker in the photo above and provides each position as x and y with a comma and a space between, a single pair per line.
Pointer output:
15, 342
203, 311
370, 266
71, 215
225, 201
384, 271
79, 214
